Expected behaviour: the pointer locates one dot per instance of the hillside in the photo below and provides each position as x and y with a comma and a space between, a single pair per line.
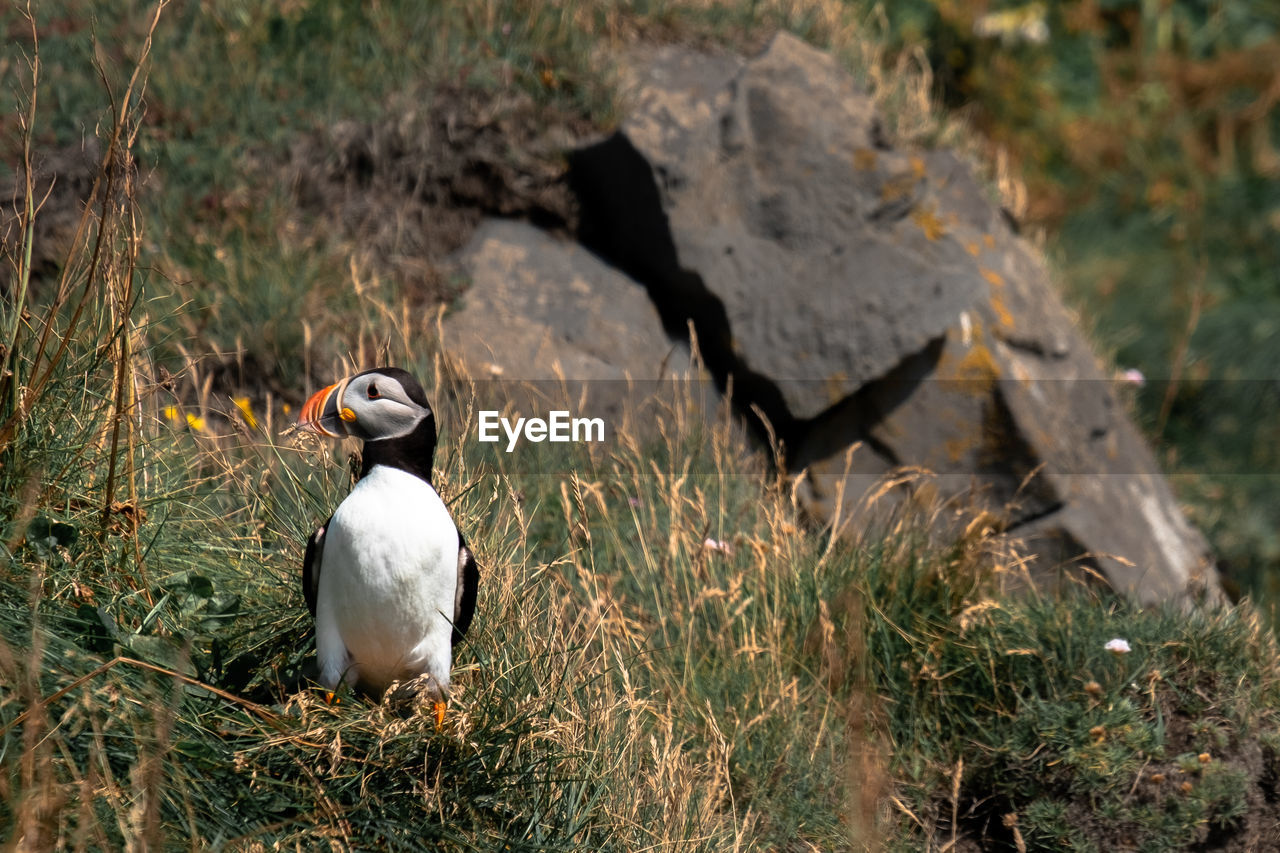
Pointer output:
667, 653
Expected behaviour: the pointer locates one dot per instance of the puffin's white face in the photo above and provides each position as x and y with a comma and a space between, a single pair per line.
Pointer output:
373, 405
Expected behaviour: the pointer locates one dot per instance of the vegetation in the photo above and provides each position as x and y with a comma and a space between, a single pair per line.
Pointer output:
665, 654
1146, 137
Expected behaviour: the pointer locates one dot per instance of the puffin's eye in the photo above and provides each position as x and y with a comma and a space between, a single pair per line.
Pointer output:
374, 393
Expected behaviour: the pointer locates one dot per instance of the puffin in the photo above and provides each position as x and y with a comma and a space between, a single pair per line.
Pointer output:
388, 578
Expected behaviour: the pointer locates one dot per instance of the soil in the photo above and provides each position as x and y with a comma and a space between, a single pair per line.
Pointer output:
407, 190
399, 194
63, 179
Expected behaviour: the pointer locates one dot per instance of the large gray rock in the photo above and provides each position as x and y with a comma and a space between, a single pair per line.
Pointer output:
810, 238
860, 293
547, 323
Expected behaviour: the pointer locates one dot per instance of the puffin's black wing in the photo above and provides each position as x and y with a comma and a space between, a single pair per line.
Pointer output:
464, 602
311, 566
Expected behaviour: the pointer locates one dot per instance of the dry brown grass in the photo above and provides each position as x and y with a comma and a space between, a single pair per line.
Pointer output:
623, 680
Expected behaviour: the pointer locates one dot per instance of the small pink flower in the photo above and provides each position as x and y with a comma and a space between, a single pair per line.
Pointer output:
710, 544
1133, 376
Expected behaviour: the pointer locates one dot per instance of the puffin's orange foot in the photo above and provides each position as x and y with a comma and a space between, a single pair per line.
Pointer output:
438, 707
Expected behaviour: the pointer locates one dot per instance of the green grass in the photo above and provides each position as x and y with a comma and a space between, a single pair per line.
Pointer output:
623, 687
1021, 701
1198, 315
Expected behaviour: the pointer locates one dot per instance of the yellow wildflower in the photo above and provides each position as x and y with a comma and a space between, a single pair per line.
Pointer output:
246, 409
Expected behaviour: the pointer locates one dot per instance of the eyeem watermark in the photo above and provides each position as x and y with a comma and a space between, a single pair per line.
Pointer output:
559, 426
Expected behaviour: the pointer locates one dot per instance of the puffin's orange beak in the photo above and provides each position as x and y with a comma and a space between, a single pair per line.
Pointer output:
323, 412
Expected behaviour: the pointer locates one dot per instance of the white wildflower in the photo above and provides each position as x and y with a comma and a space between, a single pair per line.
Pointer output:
1118, 646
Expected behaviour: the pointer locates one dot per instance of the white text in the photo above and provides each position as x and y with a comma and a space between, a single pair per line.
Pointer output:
559, 426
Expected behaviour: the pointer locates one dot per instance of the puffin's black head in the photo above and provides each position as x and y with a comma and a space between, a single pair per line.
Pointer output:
387, 409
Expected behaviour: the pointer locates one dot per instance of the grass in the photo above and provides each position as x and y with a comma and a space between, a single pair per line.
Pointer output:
600, 702
1143, 136
1033, 718
624, 686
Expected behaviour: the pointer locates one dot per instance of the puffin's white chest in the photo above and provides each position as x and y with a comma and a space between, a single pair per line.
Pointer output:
390, 572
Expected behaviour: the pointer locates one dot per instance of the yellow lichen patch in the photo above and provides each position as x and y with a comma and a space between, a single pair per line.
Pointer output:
1003, 317
864, 159
978, 364
974, 373
959, 447
837, 386
896, 188
972, 248
929, 223
989, 241
994, 278
917, 166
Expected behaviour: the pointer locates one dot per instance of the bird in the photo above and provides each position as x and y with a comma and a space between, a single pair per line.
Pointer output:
388, 578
